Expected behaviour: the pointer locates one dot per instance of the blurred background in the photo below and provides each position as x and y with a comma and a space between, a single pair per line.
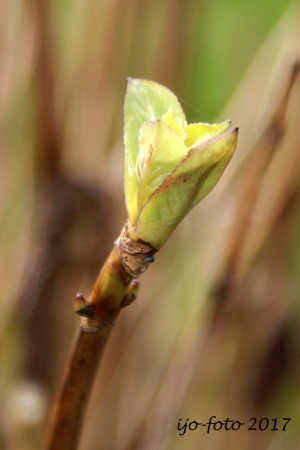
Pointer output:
215, 330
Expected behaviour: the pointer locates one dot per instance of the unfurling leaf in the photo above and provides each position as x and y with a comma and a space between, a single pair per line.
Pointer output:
169, 165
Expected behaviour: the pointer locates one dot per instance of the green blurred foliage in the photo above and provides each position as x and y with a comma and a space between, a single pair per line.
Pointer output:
224, 36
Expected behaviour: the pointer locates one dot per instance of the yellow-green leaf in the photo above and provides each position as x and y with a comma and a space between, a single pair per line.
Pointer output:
170, 119
190, 181
161, 149
145, 100
196, 133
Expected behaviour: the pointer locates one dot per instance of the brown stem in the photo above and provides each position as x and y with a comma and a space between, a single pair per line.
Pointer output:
124, 264
252, 177
50, 132
76, 387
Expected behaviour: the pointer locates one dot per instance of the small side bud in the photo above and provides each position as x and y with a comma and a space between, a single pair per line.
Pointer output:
131, 294
82, 307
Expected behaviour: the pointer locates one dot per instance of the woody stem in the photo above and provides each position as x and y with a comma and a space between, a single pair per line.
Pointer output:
125, 263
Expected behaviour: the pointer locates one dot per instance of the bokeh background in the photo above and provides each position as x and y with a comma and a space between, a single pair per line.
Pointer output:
215, 330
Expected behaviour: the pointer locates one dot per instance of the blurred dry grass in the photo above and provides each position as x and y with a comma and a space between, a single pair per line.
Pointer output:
180, 350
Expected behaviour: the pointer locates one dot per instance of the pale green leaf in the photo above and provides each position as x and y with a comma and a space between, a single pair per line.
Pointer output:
145, 100
193, 178
161, 150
